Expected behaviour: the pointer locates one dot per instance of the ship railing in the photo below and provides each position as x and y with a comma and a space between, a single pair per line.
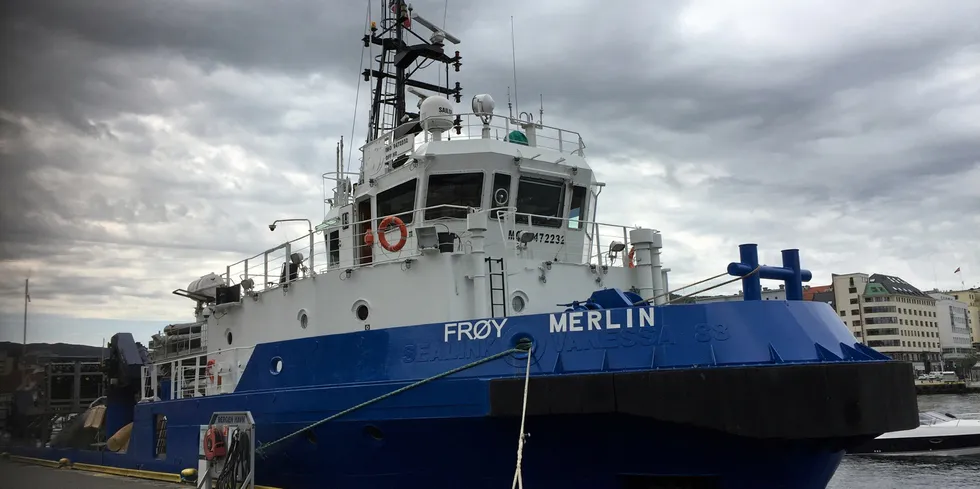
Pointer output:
339, 196
190, 375
501, 128
314, 252
571, 240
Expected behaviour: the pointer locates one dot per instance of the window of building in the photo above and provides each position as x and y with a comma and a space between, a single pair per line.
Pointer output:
500, 194
843, 313
854, 300
575, 214
540, 198
457, 189
852, 290
398, 201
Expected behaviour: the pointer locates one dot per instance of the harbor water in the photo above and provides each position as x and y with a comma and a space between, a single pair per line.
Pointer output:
857, 472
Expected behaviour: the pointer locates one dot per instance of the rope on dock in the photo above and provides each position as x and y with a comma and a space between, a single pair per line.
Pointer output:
523, 347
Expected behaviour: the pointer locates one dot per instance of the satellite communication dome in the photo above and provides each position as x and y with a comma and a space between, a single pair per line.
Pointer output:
436, 114
483, 104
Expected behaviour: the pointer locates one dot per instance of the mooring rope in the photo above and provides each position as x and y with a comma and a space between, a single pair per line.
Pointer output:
518, 477
667, 294
525, 347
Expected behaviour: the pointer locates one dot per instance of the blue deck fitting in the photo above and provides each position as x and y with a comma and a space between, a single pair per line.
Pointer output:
790, 273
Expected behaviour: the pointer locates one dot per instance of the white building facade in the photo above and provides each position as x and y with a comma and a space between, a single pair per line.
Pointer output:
954, 326
891, 316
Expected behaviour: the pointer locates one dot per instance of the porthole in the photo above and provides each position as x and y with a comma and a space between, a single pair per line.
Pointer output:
361, 310
228, 337
275, 366
518, 301
374, 432
303, 318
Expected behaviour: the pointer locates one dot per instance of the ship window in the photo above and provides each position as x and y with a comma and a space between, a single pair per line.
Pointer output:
500, 196
540, 198
578, 207
458, 189
334, 247
398, 201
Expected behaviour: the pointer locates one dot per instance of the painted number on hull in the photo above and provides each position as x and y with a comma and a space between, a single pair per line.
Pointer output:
547, 238
708, 332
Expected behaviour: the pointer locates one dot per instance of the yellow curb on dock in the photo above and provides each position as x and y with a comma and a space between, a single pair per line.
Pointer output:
102, 469
37, 461
134, 473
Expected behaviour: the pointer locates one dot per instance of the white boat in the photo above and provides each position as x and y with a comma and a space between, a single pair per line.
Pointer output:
938, 435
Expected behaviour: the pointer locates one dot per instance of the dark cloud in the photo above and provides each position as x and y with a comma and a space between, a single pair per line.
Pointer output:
165, 136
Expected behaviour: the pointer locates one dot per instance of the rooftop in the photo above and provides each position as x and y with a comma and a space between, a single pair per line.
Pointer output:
892, 285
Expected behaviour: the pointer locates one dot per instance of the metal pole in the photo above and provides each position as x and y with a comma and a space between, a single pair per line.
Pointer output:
27, 298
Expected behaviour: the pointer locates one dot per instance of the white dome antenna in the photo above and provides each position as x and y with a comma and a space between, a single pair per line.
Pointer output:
436, 115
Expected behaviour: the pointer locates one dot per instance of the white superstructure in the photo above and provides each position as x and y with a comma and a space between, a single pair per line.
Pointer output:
486, 216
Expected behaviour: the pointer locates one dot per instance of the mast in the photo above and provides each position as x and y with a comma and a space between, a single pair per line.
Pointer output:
27, 298
397, 63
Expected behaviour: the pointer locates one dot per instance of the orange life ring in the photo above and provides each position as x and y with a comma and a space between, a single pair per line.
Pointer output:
630, 257
383, 228
211, 363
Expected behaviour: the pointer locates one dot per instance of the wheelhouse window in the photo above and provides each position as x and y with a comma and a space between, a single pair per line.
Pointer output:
398, 201
575, 213
500, 194
541, 198
458, 189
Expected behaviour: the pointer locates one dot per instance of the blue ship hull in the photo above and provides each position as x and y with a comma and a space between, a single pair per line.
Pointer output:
742, 394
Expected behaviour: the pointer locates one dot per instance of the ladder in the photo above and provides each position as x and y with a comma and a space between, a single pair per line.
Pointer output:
494, 305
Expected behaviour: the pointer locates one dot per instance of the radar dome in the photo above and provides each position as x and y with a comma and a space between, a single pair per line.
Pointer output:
436, 114
482, 104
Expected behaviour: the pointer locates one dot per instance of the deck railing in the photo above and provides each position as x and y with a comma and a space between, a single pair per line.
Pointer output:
266, 268
537, 135
190, 375
597, 245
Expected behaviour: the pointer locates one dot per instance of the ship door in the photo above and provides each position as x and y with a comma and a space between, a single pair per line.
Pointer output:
364, 218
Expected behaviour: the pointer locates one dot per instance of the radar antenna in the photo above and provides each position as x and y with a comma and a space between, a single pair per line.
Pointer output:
397, 63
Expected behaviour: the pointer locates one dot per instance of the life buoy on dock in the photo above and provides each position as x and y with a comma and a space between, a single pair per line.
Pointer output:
383, 228
629, 257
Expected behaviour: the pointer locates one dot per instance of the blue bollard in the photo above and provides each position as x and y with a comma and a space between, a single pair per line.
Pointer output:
790, 273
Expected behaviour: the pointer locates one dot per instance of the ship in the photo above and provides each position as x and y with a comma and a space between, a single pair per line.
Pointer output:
460, 319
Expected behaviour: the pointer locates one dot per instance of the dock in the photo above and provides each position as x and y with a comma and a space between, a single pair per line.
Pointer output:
927, 388
24, 475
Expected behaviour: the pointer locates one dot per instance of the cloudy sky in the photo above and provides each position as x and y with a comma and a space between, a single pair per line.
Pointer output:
144, 143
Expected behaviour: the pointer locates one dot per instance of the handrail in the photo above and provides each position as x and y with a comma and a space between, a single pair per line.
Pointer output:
472, 128
313, 245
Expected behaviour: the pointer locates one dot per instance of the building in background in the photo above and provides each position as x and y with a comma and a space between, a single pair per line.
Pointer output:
891, 316
971, 297
955, 336
767, 294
